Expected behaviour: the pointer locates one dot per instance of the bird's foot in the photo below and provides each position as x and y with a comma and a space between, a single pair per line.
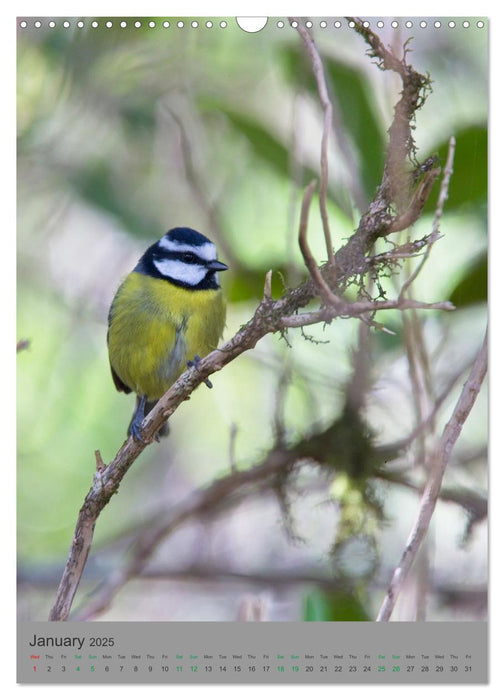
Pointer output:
194, 363
134, 431
136, 422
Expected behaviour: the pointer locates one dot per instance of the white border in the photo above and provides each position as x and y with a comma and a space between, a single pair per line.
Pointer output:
227, 8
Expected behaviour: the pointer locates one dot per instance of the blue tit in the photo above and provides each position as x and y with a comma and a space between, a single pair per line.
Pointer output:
168, 312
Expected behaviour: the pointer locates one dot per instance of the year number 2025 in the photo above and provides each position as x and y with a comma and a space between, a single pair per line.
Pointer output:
101, 641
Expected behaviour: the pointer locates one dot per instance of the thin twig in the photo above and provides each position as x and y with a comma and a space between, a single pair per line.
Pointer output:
428, 420
318, 70
410, 249
419, 375
325, 292
432, 488
283, 385
233, 432
359, 380
356, 309
267, 287
348, 156
434, 235
445, 184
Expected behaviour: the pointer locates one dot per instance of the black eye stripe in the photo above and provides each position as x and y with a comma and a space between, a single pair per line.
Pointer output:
187, 257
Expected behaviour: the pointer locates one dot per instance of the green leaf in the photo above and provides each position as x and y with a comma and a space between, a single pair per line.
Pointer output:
469, 181
472, 288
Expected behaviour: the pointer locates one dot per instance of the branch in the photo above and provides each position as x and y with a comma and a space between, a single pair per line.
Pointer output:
432, 488
396, 182
356, 309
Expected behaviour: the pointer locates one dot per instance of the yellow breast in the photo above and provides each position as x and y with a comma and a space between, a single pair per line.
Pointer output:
155, 327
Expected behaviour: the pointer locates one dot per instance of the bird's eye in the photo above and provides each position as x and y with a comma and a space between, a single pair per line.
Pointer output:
188, 257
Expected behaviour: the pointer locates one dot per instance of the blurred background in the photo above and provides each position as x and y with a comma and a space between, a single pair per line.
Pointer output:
127, 131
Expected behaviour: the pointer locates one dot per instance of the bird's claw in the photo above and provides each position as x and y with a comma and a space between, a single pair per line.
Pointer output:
194, 363
135, 432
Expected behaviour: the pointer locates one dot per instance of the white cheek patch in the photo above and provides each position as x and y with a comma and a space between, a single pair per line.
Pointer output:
207, 251
188, 273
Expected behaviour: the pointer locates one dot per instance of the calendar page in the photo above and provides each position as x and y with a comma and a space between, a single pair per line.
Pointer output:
252, 350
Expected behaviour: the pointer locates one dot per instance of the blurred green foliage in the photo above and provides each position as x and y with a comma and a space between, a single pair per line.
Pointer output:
338, 606
469, 182
472, 287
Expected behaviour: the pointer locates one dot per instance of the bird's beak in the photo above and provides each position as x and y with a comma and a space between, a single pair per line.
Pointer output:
216, 266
